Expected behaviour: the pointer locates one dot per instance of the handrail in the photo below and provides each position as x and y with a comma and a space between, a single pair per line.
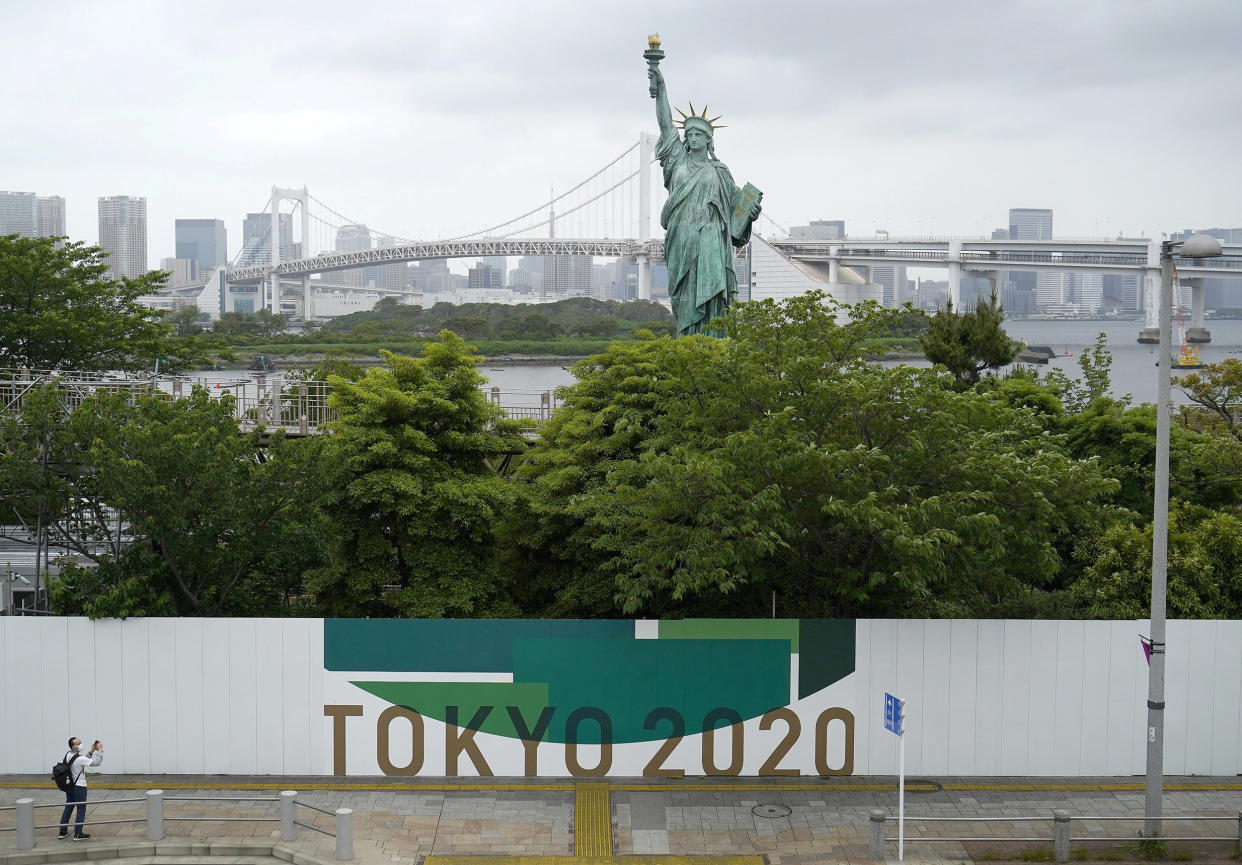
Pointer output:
155, 818
1062, 835
315, 808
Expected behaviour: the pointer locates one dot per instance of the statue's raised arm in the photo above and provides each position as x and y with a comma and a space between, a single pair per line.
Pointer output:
655, 81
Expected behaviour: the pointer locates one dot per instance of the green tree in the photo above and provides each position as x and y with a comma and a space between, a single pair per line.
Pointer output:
1218, 390
536, 325
205, 521
471, 327
60, 309
1204, 568
415, 519
968, 344
184, 320
700, 475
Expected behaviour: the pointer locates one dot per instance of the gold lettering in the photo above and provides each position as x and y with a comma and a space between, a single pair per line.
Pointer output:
846, 717
456, 741
530, 738
382, 730
338, 714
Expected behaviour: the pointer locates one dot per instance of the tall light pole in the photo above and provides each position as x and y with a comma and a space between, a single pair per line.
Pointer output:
1195, 246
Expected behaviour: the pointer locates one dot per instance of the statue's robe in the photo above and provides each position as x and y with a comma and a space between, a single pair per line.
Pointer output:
698, 249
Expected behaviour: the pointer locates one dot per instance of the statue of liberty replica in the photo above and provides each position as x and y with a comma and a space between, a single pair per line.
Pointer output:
705, 216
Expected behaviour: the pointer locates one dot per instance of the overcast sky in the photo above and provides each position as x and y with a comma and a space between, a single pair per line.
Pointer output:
428, 119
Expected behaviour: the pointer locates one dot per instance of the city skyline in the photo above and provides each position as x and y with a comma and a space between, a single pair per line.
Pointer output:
454, 115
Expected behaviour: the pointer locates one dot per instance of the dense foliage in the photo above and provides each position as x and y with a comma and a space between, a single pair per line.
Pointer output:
169, 509
700, 476
415, 512
60, 309
703, 475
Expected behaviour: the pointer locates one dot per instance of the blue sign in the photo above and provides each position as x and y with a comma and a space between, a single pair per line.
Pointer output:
893, 716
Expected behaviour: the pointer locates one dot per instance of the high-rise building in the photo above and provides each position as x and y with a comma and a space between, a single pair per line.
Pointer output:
123, 234
1029, 223
892, 277
566, 276
19, 214
819, 229
182, 271
204, 242
52, 216
1088, 291
393, 275
31, 215
1026, 223
256, 239
484, 275
351, 238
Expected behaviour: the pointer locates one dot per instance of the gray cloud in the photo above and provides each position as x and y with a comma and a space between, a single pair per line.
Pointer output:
435, 116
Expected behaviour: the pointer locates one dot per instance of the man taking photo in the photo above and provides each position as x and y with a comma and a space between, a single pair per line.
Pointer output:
76, 794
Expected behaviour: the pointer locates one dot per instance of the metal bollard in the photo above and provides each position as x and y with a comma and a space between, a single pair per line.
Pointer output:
1239, 850
288, 813
1061, 835
25, 824
344, 834
155, 815
875, 847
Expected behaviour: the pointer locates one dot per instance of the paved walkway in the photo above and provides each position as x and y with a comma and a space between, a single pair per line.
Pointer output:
735, 822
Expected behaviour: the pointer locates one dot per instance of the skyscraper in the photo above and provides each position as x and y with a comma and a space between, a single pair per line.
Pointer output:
123, 234
51, 216
19, 214
351, 238
256, 243
819, 229
1026, 223
202, 241
566, 276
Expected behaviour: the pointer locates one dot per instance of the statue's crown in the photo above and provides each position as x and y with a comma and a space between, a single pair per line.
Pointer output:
693, 117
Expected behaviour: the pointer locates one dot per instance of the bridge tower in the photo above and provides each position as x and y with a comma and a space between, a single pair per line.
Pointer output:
646, 151
302, 198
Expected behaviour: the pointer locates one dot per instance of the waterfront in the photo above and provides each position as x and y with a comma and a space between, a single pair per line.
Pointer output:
1133, 369
1134, 364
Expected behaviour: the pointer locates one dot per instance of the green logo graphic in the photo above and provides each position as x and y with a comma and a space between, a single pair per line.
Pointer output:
693, 666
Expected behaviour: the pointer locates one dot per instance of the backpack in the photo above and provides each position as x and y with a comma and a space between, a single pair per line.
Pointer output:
62, 773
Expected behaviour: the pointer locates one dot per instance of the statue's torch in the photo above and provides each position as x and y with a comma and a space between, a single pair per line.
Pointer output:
653, 55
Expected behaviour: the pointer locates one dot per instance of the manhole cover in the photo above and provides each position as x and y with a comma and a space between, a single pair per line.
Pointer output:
771, 811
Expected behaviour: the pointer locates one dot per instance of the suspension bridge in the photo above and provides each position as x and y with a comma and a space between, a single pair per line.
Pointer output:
609, 215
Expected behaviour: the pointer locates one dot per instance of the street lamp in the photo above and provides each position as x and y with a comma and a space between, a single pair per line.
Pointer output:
1195, 246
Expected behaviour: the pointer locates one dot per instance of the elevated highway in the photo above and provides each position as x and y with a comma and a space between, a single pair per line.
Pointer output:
987, 258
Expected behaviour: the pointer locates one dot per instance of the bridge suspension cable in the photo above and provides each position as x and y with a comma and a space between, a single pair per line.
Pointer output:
563, 214
550, 203
349, 221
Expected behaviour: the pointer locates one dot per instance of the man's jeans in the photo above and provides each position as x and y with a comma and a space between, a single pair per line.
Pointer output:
76, 795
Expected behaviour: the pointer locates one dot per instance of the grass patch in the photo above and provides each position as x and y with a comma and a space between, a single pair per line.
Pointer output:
1040, 855
1150, 849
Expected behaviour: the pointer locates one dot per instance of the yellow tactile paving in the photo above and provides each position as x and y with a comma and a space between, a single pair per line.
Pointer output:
592, 821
